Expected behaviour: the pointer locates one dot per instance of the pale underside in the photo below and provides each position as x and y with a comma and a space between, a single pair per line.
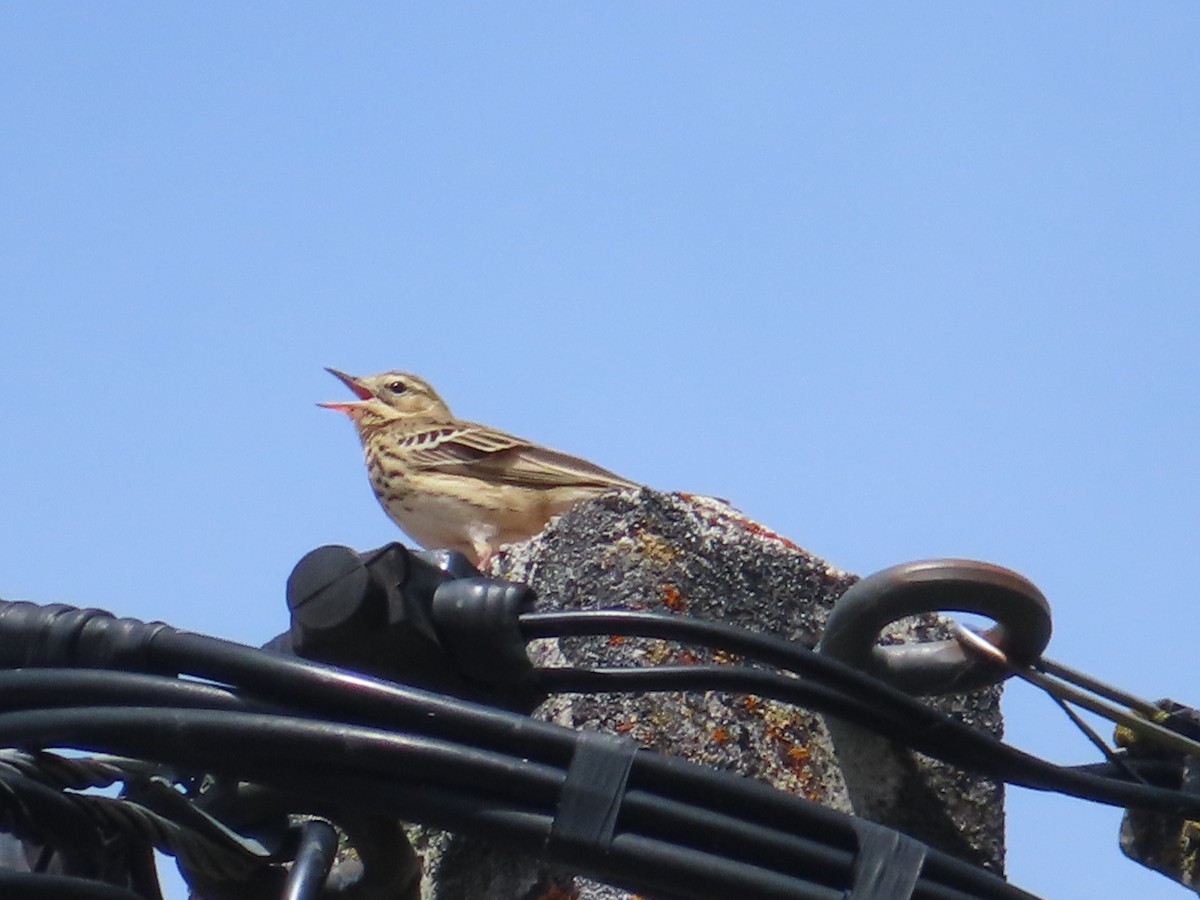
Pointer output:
496, 514
471, 488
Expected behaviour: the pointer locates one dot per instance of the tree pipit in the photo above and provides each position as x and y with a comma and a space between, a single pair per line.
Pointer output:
454, 484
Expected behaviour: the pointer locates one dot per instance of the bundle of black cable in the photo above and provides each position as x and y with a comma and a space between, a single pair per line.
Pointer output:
699, 557
234, 766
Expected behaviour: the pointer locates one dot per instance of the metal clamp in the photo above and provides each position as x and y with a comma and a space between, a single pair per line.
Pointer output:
1021, 613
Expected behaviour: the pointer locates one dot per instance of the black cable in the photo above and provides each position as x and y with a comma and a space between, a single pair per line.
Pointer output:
323, 690
886, 704
61, 772
251, 745
902, 718
1094, 738
796, 854
354, 759
42, 688
314, 859
1165, 773
317, 690
281, 679
350, 769
228, 743
34, 812
736, 679
665, 868
692, 821
79, 825
740, 797
37, 886
278, 678
784, 851
530, 833
788, 853
773, 650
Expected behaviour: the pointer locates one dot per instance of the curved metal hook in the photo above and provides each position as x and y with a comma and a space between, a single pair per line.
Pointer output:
1022, 627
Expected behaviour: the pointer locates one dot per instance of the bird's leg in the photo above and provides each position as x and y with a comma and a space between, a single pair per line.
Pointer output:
482, 539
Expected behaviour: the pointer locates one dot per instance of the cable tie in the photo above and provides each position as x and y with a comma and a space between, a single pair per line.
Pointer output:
888, 864
593, 792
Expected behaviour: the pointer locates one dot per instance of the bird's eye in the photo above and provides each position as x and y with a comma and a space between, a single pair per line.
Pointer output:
397, 387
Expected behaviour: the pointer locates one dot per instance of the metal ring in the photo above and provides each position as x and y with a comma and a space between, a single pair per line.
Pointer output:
1021, 632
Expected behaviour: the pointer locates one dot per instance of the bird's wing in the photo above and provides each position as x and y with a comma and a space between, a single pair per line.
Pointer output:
477, 451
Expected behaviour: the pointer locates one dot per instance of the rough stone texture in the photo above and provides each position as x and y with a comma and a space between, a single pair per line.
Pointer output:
1169, 845
697, 556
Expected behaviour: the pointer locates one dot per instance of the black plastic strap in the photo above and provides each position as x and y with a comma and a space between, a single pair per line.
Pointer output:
888, 864
592, 793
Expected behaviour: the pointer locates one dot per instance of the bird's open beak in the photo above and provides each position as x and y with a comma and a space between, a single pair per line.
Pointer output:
351, 382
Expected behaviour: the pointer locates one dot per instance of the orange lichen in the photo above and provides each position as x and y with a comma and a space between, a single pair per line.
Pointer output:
720, 735
762, 531
672, 598
799, 754
655, 547
705, 511
616, 640
795, 759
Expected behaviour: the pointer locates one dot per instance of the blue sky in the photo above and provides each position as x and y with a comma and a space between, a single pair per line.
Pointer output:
899, 281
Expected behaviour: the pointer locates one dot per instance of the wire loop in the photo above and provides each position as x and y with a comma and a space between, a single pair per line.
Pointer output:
1022, 628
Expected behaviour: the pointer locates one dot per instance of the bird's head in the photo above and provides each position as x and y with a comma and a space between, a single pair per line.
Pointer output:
388, 397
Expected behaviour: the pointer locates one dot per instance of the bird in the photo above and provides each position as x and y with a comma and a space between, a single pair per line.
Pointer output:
458, 485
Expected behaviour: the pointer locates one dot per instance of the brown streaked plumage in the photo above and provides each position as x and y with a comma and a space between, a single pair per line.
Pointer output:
455, 484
